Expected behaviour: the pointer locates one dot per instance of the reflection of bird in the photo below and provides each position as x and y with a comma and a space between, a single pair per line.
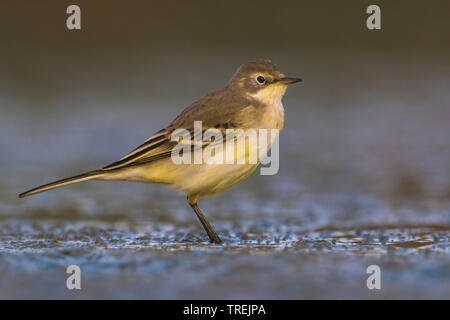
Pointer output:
252, 99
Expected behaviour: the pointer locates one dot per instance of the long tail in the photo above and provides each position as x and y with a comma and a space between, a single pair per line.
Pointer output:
82, 177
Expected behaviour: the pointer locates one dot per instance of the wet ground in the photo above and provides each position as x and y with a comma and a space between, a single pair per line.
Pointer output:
259, 259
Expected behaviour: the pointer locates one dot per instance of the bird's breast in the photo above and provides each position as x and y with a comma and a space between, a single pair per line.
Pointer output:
273, 116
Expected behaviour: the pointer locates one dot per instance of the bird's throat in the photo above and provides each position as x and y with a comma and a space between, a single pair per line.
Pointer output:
271, 94
270, 97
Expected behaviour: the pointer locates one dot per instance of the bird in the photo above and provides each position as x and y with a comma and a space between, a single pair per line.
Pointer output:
252, 99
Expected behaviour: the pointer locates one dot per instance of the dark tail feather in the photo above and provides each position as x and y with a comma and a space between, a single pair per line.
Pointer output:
82, 177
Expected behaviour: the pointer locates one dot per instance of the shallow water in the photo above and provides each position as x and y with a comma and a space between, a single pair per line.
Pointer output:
262, 259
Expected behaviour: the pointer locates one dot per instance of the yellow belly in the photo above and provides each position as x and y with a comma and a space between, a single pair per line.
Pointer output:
199, 179
190, 179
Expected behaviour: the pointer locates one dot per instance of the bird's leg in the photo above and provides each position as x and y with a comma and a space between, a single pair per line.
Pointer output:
213, 237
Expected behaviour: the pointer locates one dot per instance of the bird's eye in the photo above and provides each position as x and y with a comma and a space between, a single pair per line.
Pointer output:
260, 79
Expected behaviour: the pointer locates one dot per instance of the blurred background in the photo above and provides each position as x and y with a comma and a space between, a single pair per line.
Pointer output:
364, 165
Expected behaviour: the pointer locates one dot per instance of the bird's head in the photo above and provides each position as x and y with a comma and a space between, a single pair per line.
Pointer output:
261, 80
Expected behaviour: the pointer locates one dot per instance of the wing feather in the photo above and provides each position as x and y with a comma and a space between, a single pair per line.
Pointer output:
156, 147
159, 145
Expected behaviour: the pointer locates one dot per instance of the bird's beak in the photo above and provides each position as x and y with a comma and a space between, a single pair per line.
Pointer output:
287, 80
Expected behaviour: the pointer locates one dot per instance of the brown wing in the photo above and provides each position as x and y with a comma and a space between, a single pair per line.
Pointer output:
156, 147
160, 146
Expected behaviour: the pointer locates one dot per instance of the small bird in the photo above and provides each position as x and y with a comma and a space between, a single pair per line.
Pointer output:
250, 100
